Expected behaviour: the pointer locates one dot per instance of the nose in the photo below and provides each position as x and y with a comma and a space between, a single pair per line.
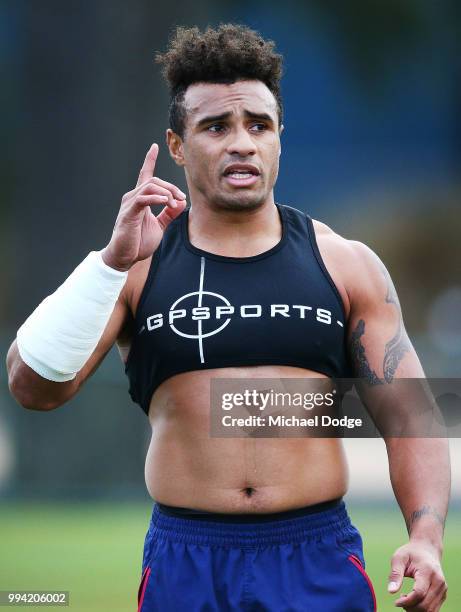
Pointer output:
241, 143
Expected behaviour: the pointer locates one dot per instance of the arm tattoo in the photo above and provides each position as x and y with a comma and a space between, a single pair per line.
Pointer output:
396, 347
393, 353
359, 359
394, 350
423, 511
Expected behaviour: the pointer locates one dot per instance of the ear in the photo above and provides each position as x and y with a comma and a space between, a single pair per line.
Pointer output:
175, 145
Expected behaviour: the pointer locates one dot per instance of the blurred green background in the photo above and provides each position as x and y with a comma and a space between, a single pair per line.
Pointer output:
93, 551
372, 147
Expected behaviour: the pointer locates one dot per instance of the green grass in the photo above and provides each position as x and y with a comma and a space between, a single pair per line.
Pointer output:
94, 551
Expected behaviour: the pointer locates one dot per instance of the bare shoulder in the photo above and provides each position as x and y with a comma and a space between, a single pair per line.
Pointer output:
136, 280
131, 294
352, 264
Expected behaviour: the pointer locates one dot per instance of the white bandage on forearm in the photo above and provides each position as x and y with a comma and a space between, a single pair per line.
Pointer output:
61, 334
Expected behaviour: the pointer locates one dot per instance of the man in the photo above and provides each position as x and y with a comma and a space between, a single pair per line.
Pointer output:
238, 523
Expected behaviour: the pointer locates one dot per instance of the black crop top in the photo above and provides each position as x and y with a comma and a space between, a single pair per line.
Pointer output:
199, 310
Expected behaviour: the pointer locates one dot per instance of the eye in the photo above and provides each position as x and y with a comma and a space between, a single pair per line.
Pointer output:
259, 127
216, 128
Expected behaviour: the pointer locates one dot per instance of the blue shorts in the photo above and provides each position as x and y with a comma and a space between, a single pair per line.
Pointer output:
308, 559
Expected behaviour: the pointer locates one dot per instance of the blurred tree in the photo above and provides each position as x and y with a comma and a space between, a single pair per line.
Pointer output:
375, 34
421, 251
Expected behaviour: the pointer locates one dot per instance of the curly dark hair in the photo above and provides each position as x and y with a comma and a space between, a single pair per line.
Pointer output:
225, 54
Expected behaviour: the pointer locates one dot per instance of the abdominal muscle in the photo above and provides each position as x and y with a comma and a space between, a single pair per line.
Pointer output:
187, 467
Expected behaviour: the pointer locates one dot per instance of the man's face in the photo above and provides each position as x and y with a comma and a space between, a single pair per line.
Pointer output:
231, 143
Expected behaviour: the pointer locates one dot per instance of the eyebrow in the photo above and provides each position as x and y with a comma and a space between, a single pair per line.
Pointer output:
248, 115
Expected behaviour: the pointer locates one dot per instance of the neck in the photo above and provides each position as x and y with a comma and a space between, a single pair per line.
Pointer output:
237, 233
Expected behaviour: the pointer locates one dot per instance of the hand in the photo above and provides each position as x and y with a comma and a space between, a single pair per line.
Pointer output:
138, 232
418, 560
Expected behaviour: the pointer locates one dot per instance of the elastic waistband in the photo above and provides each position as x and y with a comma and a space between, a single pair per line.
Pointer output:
226, 517
246, 532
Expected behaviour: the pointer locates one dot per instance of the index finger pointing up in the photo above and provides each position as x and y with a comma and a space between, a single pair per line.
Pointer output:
148, 167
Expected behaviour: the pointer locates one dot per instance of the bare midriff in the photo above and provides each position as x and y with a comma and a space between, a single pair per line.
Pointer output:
187, 467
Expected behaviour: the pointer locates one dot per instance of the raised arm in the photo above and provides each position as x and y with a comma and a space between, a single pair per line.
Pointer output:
67, 336
38, 393
381, 352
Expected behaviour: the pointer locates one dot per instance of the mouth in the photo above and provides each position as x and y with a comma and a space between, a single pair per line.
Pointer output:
241, 175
